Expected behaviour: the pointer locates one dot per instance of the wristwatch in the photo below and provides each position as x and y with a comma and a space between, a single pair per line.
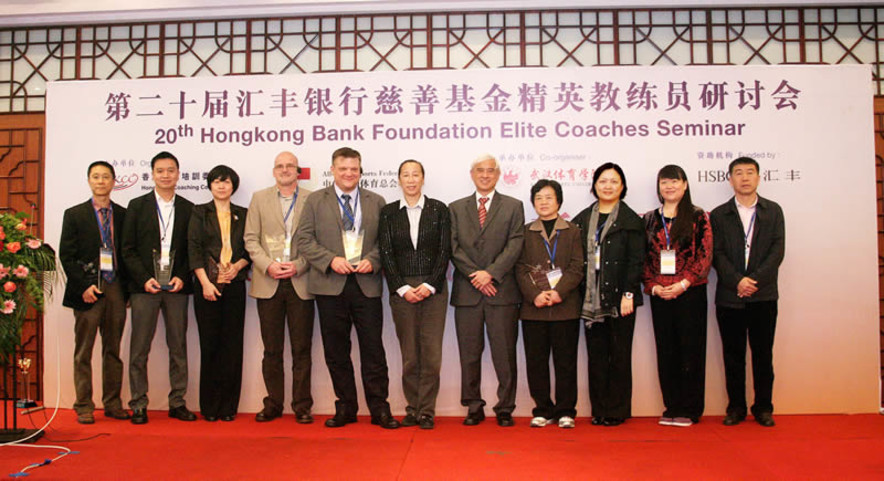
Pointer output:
627, 295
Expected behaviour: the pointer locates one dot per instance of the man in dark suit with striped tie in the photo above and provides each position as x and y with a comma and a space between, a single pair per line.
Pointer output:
486, 240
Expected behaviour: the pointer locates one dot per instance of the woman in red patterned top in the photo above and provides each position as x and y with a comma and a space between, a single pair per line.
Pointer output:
678, 261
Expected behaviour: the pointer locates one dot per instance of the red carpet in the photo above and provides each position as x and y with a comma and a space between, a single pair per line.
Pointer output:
799, 447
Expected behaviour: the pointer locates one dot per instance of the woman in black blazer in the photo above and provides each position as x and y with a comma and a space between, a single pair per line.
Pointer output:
415, 264
614, 238
219, 259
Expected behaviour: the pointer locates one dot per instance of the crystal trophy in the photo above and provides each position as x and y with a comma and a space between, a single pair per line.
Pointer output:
162, 268
353, 245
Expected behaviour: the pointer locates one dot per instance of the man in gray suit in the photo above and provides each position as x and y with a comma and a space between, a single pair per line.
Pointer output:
337, 234
486, 239
279, 283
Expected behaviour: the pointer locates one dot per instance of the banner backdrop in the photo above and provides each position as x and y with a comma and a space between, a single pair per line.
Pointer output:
810, 128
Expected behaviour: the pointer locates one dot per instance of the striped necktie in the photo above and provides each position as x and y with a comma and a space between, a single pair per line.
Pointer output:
483, 214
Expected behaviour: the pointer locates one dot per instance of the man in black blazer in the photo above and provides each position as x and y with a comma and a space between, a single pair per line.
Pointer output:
487, 228
156, 230
749, 244
90, 256
348, 289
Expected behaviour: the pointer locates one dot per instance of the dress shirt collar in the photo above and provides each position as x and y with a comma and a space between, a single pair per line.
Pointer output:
163, 203
403, 204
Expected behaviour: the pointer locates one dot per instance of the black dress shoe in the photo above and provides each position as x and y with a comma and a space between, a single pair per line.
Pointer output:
426, 422
266, 416
303, 418
339, 420
474, 418
139, 416
597, 421
228, 418
765, 419
409, 420
732, 419
181, 413
211, 419
120, 414
505, 420
613, 421
386, 421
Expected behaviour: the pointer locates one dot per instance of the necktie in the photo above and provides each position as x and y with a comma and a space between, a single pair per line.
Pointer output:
106, 239
348, 217
483, 214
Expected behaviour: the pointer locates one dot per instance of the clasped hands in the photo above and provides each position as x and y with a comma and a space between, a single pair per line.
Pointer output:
547, 298
417, 294
341, 266
484, 282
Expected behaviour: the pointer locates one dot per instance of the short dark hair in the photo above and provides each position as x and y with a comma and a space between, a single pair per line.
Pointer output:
608, 166
413, 162
101, 163
743, 161
540, 184
164, 155
347, 153
222, 172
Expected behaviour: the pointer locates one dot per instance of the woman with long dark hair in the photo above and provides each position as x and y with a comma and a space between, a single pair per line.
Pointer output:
614, 242
678, 261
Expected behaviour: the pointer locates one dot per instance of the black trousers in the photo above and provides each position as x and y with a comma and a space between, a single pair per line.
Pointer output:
337, 317
609, 349
560, 338
285, 308
220, 325
680, 335
757, 322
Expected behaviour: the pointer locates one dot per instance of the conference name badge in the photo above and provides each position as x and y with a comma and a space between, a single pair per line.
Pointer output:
106, 259
667, 262
598, 257
353, 245
554, 276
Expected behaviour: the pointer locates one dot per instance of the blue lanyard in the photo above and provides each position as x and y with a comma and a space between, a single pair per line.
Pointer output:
749, 231
552, 255
104, 228
598, 232
355, 206
162, 222
285, 218
665, 229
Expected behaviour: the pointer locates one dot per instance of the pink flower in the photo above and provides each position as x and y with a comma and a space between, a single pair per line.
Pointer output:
8, 307
4, 271
13, 247
9, 286
21, 271
2, 234
21, 226
34, 243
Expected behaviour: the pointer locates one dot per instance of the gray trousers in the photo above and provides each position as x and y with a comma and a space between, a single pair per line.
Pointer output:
420, 328
108, 317
145, 311
501, 323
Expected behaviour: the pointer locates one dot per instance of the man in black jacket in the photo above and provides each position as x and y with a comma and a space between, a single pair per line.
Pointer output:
154, 240
749, 239
90, 255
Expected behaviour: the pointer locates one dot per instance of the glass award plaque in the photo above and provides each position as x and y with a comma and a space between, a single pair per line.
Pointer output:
162, 268
353, 245
278, 247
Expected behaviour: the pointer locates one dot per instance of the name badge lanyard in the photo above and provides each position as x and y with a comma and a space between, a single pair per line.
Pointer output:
285, 217
351, 216
665, 230
106, 255
552, 254
597, 252
105, 228
165, 248
747, 236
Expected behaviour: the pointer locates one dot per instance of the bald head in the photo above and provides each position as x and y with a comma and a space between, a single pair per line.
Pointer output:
286, 169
